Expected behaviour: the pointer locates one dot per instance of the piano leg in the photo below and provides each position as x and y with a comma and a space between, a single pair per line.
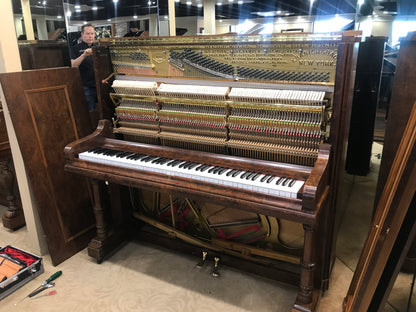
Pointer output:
308, 295
13, 218
109, 235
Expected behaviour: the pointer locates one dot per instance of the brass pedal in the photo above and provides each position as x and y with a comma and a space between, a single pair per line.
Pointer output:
202, 262
216, 270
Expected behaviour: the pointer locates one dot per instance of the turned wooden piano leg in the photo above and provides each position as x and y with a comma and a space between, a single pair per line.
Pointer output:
107, 238
308, 295
13, 218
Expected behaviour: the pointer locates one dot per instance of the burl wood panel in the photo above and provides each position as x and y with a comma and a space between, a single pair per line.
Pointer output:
48, 111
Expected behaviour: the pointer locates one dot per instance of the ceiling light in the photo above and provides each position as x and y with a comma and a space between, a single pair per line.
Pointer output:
59, 16
68, 13
115, 1
77, 6
188, 2
177, 0
149, 2
219, 3
94, 8
166, 17
240, 2
199, 5
134, 16
360, 2
230, 1
85, 22
109, 20
44, 2
78, 10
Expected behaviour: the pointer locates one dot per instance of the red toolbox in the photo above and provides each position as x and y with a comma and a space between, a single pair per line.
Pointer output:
17, 267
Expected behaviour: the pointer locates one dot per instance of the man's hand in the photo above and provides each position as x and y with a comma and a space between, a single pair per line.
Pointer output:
88, 52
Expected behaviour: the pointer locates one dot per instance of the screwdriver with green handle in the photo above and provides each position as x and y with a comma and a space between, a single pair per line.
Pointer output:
46, 284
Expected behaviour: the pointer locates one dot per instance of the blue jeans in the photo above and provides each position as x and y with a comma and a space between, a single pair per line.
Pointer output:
91, 97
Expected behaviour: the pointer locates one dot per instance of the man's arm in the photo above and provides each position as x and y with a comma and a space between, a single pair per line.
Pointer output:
76, 62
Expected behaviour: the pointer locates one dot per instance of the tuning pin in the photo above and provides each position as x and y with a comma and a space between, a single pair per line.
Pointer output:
216, 272
202, 262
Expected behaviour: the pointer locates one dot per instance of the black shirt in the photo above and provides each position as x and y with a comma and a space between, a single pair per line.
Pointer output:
86, 68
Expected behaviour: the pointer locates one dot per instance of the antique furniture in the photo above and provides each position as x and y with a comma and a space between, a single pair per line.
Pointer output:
227, 145
13, 218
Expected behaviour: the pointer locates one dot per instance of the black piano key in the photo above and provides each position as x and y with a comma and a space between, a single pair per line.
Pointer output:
148, 158
280, 180
177, 163
292, 182
184, 164
255, 177
206, 167
124, 154
269, 180
285, 181
231, 172
265, 178
236, 173
199, 167
252, 174
223, 170
245, 174
193, 166
212, 169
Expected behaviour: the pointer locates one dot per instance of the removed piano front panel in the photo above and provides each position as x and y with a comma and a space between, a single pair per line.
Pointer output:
232, 144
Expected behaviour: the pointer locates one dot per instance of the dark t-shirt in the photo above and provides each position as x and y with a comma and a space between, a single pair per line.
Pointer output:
86, 68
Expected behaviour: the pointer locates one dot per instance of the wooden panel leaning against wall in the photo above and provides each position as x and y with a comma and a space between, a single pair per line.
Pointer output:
48, 110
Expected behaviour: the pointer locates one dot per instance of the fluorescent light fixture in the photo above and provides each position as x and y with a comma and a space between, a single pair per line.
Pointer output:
78, 10
166, 17
199, 5
77, 6
94, 8
219, 3
240, 2
188, 2
109, 20
230, 1
177, 1
59, 16
134, 16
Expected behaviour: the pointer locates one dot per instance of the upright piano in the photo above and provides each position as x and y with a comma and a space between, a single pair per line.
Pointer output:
229, 146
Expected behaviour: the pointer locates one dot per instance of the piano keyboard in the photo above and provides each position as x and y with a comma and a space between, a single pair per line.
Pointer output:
254, 181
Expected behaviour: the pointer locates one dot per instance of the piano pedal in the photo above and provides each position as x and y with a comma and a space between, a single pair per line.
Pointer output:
216, 270
202, 262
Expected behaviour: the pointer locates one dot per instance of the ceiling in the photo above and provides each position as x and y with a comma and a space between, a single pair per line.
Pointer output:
230, 9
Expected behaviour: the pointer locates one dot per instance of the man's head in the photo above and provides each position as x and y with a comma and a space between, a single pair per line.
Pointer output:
87, 33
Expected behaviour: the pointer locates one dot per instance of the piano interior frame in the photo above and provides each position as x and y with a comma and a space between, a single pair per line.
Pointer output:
316, 211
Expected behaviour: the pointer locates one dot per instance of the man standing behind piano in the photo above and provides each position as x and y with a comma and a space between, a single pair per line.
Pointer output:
81, 57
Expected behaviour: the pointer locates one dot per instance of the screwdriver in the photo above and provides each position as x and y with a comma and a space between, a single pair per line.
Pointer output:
45, 283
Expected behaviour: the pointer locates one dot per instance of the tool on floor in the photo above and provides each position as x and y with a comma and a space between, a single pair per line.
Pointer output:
46, 284
50, 293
